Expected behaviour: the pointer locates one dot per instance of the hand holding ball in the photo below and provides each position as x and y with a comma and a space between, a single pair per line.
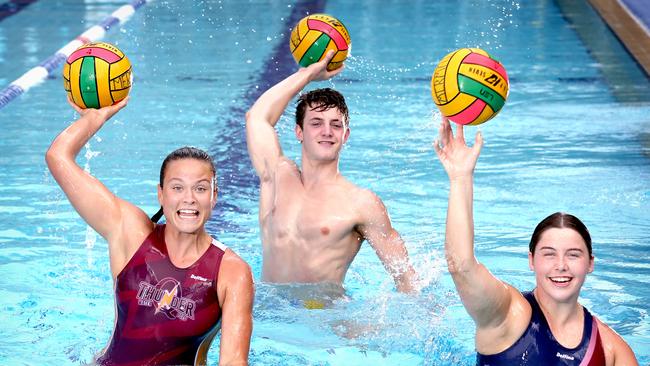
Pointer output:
314, 36
97, 75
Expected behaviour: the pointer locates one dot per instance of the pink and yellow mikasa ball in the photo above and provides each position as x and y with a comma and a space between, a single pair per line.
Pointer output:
314, 36
97, 75
469, 86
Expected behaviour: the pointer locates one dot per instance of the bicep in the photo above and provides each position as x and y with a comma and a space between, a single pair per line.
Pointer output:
263, 146
388, 244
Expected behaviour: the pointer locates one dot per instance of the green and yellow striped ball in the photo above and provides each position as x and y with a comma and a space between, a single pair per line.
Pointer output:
97, 75
314, 36
469, 86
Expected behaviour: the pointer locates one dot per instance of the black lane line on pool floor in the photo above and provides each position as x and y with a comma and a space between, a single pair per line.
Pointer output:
235, 173
13, 7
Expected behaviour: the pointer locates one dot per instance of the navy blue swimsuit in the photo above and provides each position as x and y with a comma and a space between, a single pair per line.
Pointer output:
538, 346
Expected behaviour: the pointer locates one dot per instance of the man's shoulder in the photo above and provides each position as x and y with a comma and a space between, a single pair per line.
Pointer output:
283, 167
285, 164
360, 196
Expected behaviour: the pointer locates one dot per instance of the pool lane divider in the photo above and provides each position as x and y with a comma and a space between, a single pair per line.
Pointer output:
39, 73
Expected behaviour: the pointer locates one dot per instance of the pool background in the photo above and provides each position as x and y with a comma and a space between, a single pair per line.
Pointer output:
573, 136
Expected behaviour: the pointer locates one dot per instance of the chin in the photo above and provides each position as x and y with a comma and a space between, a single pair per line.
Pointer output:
562, 295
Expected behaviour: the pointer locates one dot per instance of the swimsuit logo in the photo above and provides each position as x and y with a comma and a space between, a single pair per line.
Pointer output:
194, 277
167, 297
566, 357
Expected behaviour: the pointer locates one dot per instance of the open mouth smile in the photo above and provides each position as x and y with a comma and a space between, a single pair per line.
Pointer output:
561, 280
187, 214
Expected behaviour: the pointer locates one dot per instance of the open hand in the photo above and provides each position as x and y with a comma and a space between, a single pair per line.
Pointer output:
456, 157
104, 113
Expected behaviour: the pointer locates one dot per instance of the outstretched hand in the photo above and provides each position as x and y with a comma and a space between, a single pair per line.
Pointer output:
104, 113
319, 70
456, 157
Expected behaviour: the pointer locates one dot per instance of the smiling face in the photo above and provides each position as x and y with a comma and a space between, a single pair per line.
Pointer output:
323, 133
188, 194
561, 262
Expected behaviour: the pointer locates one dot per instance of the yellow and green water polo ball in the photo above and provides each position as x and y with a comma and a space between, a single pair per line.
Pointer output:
97, 75
469, 86
314, 36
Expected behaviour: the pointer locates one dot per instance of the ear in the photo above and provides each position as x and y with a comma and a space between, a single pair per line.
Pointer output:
215, 193
160, 196
591, 264
347, 135
299, 134
530, 262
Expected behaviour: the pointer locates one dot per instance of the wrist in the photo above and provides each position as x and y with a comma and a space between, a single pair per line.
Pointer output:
462, 178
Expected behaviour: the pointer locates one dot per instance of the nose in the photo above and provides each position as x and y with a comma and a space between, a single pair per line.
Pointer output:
561, 263
327, 130
188, 196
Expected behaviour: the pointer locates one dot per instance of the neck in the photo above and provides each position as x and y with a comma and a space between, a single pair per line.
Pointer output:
562, 312
315, 172
185, 245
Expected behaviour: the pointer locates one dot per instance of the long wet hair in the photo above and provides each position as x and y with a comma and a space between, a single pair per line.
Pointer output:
321, 100
560, 220
186, 152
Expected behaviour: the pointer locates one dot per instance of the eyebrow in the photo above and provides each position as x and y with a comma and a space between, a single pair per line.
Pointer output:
568, 250
182, 181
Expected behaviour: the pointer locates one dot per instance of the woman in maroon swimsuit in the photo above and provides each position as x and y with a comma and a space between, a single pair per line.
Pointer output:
546, 326
175, 286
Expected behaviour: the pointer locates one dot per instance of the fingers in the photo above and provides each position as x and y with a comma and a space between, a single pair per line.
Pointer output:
322, 64
478, 143
445, 132
122, 103
74, 106
329, 56
459, 132
436, 147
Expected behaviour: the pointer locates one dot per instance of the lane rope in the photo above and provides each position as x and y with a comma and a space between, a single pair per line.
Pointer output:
39, 73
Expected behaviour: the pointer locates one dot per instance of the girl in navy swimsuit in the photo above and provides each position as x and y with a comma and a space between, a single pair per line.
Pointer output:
546, 326
175, 286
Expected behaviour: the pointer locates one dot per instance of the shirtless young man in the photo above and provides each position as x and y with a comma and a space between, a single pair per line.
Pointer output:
312, 219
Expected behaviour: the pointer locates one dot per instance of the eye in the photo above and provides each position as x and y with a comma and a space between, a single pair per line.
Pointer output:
177, 188
201, 189
549, 254
337, 125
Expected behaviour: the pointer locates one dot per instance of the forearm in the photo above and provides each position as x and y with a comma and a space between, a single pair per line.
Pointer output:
406, 281
459, 241
270, 106
68, 143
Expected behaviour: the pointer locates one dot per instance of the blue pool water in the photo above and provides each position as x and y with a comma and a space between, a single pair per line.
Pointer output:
574, 136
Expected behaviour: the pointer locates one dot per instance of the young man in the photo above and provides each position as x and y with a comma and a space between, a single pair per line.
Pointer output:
312, 219
175, 286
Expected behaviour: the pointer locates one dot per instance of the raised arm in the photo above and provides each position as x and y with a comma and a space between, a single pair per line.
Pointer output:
486, 298
237, 293
263, 145
100, 208
387, 243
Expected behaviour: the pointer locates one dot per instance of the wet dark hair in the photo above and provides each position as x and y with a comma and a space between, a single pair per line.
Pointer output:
560, 220
186, 152
321, 100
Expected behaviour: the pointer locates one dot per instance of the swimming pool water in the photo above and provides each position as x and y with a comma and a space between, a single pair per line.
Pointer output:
574, 136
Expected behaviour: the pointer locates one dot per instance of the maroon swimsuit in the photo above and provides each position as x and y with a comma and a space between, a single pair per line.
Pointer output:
164, 313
